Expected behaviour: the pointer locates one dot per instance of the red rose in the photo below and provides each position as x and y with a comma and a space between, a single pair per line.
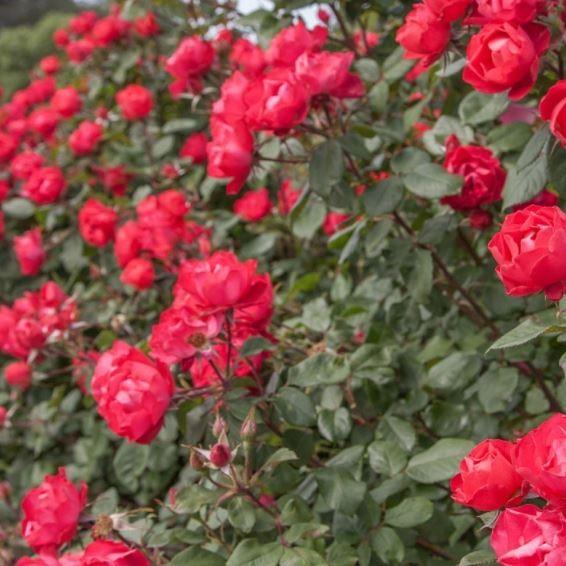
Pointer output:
287, 197
480, 219
423, 35
29, 251
332, 222
66, 102
115, 179
293, 41
111, 553
83, 22
108, 30
45, 185
526, 535
541, 461
61, 37
18, 374
448, 10
147, 25
25, 163
194, 148
230, 154
132, 392
365, 41
552, 110
128, 242
43, 121
276, 101
80, 50
8, 147
247, 57
528, 250
483, 175
50, 64
192, 59
85, 138
51, 512
505, 57
135, 102
97, 223
253, 205
487, 479
515, 11
139, 274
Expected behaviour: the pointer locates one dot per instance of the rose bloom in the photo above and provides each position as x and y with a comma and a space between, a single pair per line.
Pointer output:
61, 37
192, 59
51, 512
483, 175
247, 57
194, 148
448, 10
8, 147
139, 274
515, 11
505, 57
45, 185
541, 461
25, 163
66, 102
112, 553
50, 64
83, 22
115, 179
80, 50
423, 35
85, 138
97, 223
293, 41
487, 479
29, 251
528, 535
135, 102
253, 205
132, 392
230, 154
66, 559
43, 121
147, 25
528, 250
18, 374
128, 244
333, 221
365, 41
287, 197
109, 30
552, 109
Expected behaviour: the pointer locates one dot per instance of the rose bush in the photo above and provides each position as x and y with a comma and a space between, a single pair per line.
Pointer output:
278, 293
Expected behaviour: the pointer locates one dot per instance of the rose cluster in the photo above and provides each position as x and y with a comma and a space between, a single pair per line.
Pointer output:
498, 474
502, 56
51, 513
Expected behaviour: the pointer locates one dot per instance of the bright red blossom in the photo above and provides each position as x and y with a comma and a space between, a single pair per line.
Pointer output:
135, 102
29, 251
85, 138
139, 274
18, 374
253, 205
97, 223
45, 185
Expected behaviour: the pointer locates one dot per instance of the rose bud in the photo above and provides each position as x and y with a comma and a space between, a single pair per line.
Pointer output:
85, 138
18, 374
139, 274
253, 205
29, 251
3, 418
50, 64
66, 102
97, 223
220, 455
45, 185
135, 102
194, 148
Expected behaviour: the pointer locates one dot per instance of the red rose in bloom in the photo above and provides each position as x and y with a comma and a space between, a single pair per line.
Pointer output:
50, 64
43, 121
276, 101
180, 334
528, 250
115, 179
97, 223
552, 109
194, 148
45, 185
51, 512
287, 197
505, 57
85, 138
60, 37
526, 535
18, 374
480, 219
247, 57
544, 198
111, 553
135, 102
192, 59
8, 147
483, 175
448, 10
515, 11
83, 22
41, 90
80, 50
147, 26
223, 40
230, 108
49, 560
29, 251
333, 221
541, 461
423, 35
253, 205
329, 73
66, 102
291, 42
487, 479
25, 163
230, 154
108, 30
139, 274
132, 392
128, 243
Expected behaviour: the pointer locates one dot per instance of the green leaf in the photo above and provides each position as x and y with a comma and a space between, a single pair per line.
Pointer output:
529, 176
185, 125
340, 490
453, 372
384, 197
408, 159
255, 345
509, 137
496, 389
440, 462
196, 556
409, 513
421, 278
320, 369
557, 168
386, 457
309, 219
295, 407
478, 558
316, 315
477, 108
251, 552
335, 425
130, 462
279, 457
163, 146
388, 546
299, 556
432, 181
241, 515
326, 167
395, 66
19, 208
526, 331
399, 431
378, 96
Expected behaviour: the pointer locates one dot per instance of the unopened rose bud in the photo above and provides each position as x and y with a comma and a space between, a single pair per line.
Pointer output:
249, 427
267, 500
220, 455
196, 461
219, 426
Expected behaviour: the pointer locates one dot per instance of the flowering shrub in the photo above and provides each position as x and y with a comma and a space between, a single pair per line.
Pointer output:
278, 293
